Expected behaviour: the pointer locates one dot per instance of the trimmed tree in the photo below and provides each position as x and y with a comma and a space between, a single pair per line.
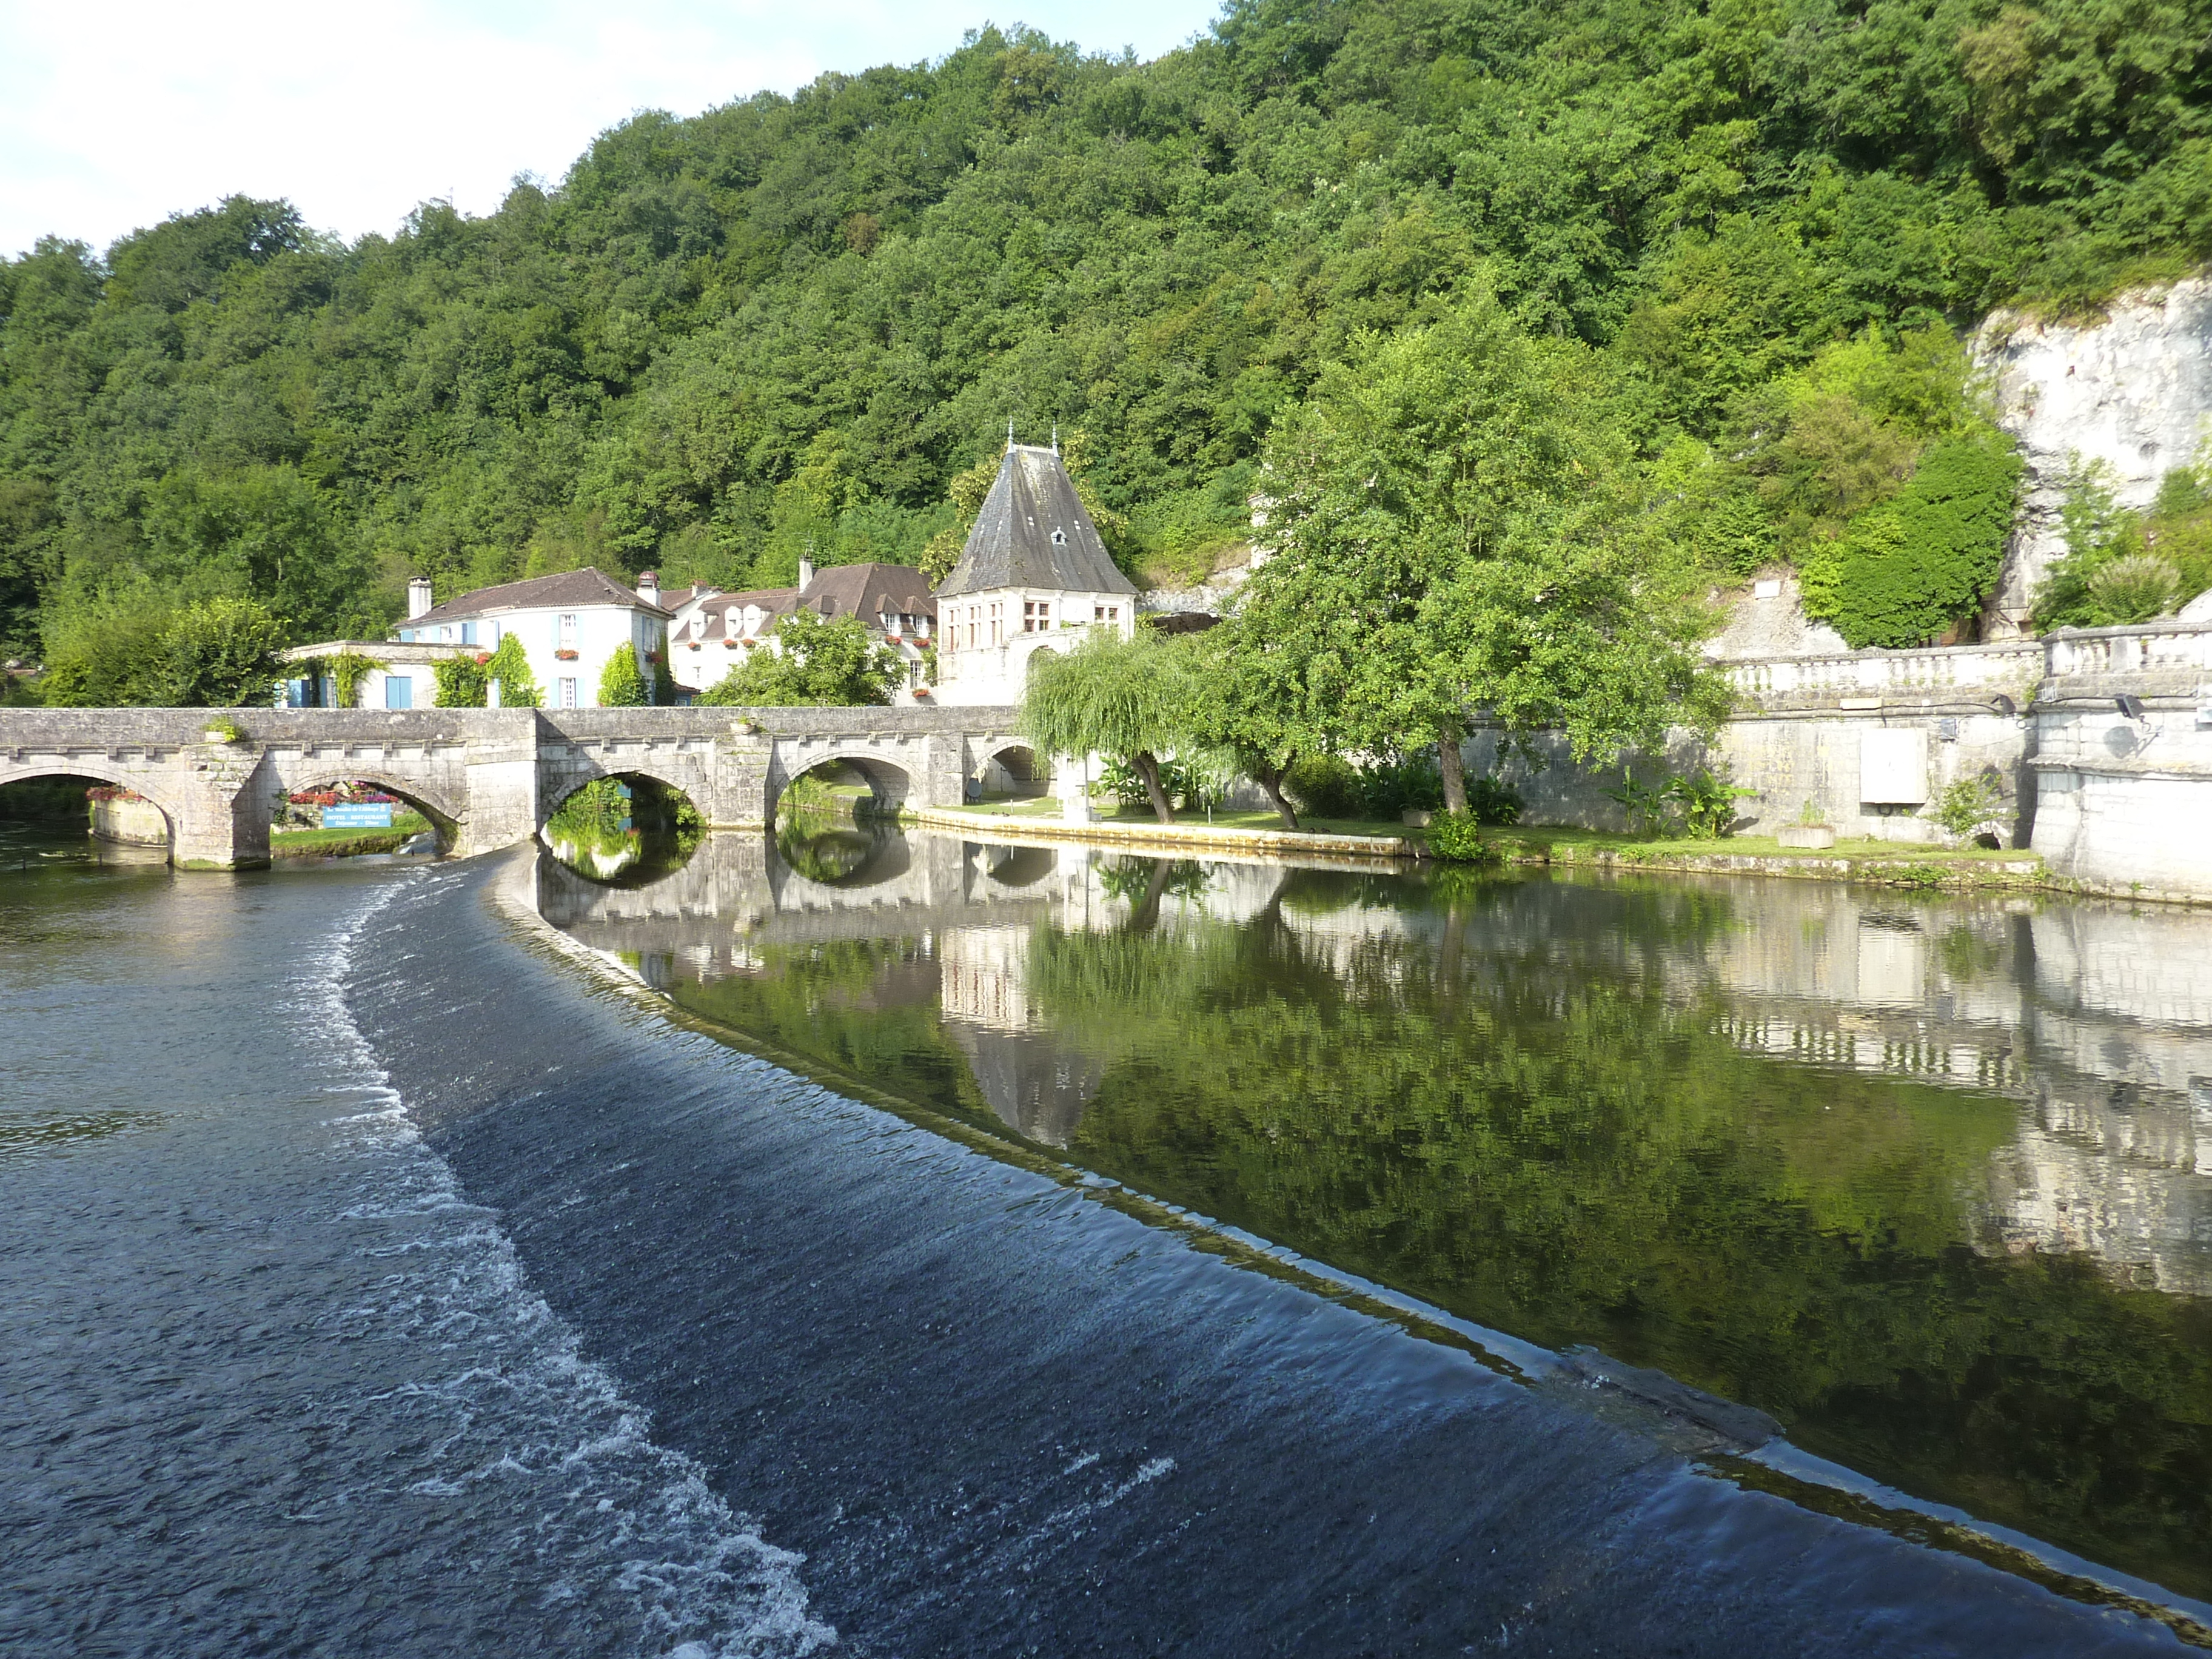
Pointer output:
621, 685
1135, 699
510, 669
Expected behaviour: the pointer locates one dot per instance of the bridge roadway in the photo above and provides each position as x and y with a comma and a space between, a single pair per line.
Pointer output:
489, 777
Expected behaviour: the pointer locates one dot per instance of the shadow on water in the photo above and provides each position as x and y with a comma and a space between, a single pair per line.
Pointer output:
1930, 1180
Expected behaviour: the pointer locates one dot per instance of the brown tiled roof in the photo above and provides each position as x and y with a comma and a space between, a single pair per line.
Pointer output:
569, 587
869, 591
775, 601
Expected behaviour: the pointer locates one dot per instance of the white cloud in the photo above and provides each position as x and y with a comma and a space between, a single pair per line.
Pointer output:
115, 117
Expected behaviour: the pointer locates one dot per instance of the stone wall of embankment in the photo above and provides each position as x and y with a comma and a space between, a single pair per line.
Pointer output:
2099, 741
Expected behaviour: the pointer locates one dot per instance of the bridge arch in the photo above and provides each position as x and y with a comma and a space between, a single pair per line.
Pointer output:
890, 782
1013, 767
99, 771
444, 820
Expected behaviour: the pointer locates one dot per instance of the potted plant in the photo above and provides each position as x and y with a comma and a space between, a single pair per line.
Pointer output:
219, 728
1809, 832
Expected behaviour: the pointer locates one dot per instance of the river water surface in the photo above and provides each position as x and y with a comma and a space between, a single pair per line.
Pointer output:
948, 1249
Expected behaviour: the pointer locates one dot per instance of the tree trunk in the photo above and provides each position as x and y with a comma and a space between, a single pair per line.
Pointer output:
1272, 780
1454, 767
1149, 769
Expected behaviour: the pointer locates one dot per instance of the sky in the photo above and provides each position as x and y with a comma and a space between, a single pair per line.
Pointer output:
117, 116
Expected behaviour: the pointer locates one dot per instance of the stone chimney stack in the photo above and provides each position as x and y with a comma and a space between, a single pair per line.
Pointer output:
649, 586
418, 596
805, 571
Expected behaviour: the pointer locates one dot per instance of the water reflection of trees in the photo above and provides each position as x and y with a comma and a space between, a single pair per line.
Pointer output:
1583, 1112
628, 831
1583, 1157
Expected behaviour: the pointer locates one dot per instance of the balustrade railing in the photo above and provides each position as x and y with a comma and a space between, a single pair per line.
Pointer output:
1978, 669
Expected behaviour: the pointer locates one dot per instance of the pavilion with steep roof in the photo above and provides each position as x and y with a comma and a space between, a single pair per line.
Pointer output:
1034, 576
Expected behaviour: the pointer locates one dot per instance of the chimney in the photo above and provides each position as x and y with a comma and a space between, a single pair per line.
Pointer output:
805, 571
418, 596
649, 586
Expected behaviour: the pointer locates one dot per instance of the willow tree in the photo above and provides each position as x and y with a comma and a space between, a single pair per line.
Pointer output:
1464, 532
1136, 699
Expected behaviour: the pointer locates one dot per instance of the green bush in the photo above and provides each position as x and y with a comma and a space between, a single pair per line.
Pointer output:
1966, 805
1493, 801
1458, 836
621, 685
461, 682
1907, 570
1329, 787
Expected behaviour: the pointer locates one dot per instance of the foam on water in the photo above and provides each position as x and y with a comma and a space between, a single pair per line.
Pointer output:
502, 1404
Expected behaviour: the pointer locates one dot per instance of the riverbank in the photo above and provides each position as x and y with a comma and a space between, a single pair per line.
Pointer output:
346, 843
1890, 863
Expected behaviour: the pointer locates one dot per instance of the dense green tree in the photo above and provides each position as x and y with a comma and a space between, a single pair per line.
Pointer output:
1463, 527
833, 662
621, 683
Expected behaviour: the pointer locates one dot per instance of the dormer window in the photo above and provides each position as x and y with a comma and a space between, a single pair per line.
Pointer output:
1059, 538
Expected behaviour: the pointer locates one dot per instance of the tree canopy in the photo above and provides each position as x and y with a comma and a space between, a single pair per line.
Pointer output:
1462, 524
834, 662
795, 321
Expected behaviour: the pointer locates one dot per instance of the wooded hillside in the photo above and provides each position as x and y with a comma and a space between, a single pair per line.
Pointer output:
798, 320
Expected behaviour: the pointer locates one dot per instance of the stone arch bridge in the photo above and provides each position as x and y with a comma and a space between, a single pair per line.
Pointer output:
489, 777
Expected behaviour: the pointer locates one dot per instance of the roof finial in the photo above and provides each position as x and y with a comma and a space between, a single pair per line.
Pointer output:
1055, 437
1010, 431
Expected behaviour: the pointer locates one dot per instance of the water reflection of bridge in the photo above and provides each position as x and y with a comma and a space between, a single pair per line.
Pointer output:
2096, 1020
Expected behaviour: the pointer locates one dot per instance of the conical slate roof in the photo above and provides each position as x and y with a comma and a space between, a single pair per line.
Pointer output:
1033, 532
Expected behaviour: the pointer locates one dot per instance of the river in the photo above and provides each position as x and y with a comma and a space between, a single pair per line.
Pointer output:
891, 1244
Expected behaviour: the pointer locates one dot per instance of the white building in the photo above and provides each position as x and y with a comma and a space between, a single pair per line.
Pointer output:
569, 626
1033, 577
712, 632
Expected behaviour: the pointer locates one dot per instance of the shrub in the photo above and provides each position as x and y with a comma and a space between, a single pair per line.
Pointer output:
1323, 787
1493, 801
461, 682
1708, 804
1908, 568
621, 685
2134, 589
1966, 805
510, 666
1458, 836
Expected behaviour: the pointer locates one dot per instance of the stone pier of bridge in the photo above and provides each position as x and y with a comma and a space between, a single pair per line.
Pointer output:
489, 778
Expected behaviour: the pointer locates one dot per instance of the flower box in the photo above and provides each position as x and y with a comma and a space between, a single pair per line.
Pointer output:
565, 656
694, 645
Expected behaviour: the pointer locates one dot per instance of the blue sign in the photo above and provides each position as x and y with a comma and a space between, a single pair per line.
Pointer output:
377, 816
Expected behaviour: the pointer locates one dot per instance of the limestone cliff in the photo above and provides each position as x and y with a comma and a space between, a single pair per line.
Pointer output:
2134, 390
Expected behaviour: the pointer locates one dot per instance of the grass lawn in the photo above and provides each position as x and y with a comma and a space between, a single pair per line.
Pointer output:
339, 844
1539, 842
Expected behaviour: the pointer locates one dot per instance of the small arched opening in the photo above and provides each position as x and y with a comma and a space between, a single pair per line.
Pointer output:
343, 816
836, 822
75, 816
625, 829
1015, 771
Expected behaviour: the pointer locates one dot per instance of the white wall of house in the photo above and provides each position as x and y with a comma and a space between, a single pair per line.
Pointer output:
568, 649
986, 640
698, 662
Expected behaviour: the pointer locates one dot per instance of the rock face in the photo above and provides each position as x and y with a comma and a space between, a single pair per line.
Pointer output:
2134, 391
1766, 618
